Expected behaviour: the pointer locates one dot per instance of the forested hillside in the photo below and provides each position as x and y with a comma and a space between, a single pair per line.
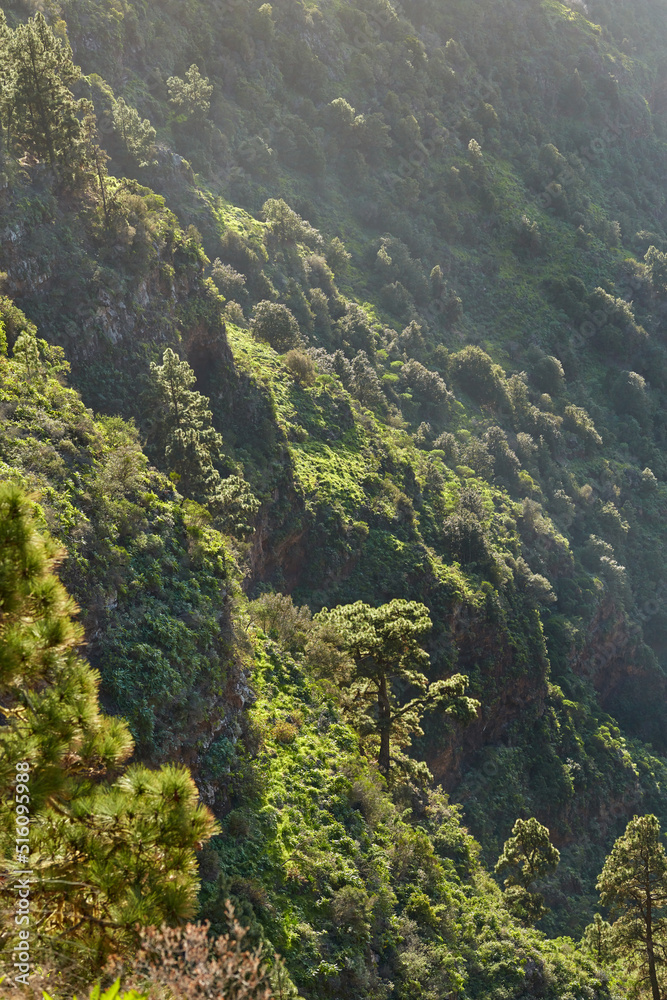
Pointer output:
333, 375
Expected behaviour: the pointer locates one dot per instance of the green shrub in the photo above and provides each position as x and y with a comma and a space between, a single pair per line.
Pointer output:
284, 731
577, 420
631, 396
547, 375
277, 615
275, 324
301, 367
113, 993
229, 282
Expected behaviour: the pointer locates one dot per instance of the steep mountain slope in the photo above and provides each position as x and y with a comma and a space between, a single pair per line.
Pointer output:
447, 385
361, 890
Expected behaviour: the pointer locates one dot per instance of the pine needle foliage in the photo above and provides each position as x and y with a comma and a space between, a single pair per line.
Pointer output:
528, 855
109, 846
633, 884
40, 115
384, 646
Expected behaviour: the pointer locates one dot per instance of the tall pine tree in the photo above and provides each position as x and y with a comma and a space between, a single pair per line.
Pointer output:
6, 81
633, 884
185, 441
184, 431
109, 847
528, 855
383, 644
42, 116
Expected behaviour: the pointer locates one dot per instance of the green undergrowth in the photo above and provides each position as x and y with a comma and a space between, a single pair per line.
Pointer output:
366, 497
153, 576
497, 181
360, 895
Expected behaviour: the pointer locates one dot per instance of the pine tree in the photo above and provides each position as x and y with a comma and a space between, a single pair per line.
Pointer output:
528, 855
184, 428
137, 134
185, 440
236, 506
656, 269
633, 884
108, 847
384, 646
6, 81
191, 95
45, 119
365, 384
26, 350
597, 939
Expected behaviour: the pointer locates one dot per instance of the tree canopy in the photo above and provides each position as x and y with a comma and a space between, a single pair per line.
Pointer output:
110, 845
38, 111
384, 646
633, 884
528, 855
184, 427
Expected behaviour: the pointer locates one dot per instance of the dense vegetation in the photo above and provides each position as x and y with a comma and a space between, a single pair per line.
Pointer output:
351, 424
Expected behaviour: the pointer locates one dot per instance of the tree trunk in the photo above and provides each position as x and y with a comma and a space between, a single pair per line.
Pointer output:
650, 953
384, 725
102, 188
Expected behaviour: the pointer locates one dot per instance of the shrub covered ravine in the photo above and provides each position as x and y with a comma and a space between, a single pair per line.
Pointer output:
332, 378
